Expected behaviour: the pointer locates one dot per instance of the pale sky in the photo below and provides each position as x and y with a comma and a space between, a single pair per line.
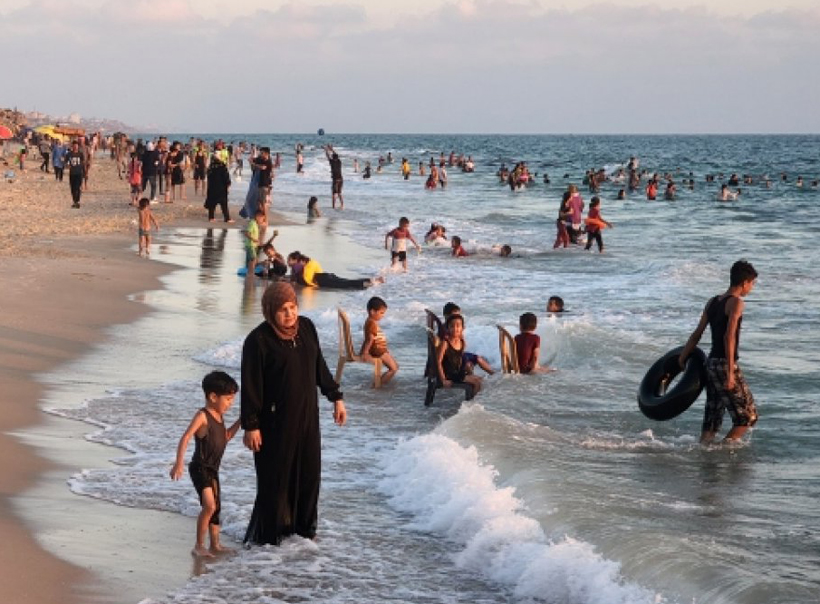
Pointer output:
449, 66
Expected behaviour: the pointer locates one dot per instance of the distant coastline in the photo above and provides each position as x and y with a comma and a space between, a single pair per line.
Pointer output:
18, 120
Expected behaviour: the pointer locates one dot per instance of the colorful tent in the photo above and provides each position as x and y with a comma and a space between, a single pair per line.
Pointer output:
69, 131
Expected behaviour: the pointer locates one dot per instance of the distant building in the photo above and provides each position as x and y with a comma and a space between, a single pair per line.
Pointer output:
74, 118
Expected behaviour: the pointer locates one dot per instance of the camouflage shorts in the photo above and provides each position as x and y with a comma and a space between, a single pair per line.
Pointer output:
739, 401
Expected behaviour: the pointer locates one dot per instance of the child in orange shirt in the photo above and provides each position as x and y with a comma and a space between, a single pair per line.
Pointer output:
594, 222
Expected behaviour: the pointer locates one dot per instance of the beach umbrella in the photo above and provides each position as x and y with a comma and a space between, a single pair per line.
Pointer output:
49, 130
5, 132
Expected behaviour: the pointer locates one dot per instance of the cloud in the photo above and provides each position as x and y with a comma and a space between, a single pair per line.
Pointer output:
151, 12
469, 66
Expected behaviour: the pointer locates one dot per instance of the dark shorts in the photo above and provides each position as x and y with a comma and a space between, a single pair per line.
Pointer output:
402, 256
264, 192
739, 401
136, 189
336, 187
204, 478
199, 173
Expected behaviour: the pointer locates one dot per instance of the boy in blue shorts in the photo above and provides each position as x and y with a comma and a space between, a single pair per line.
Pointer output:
726, 388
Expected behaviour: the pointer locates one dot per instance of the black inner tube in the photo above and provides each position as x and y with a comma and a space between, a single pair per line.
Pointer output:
659, 402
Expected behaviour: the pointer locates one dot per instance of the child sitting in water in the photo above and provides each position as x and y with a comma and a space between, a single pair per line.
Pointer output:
470, 358
437, 232
451, 365
211, 436
528, 345
555, 304
375, 343
458, 249
274, 264
313, 210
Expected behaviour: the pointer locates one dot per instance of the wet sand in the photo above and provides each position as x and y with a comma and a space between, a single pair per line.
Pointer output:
55, 307
67, 276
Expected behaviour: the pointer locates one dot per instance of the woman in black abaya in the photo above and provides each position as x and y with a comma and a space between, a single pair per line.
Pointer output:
219, 181
282, 365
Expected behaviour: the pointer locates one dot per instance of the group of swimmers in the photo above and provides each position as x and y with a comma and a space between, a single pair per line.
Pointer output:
454, 364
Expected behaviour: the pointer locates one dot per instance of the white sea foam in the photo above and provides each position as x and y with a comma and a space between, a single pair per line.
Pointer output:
446, 489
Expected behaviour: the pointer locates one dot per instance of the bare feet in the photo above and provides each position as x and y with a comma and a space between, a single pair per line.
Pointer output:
220, 550
199, 551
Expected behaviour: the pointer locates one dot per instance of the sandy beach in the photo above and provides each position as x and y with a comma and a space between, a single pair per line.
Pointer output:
67, 276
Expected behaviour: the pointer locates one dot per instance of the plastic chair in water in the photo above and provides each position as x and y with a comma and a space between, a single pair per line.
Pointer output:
509, 354
347, 354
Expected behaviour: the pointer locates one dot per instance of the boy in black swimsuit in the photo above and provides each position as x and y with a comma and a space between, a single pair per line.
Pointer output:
726, 389
211, 436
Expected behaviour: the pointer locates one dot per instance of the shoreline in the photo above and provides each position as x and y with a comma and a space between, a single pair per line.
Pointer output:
68, 293
70, 276
57, 311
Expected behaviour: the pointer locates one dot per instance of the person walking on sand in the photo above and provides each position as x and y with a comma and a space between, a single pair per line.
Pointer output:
282, 367
75, 160
210, 437
726, 388
264, 171
150, 169
219, 182
336, 177
45, 152
58, 153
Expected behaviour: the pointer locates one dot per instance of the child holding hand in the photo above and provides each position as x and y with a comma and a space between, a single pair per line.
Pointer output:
211, 436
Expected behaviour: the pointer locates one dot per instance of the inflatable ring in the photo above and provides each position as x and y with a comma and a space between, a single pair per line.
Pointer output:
658, 403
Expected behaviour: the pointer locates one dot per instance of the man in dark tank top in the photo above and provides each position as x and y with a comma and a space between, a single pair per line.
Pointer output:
726, 388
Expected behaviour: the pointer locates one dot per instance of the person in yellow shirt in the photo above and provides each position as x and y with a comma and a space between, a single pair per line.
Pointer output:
308, 272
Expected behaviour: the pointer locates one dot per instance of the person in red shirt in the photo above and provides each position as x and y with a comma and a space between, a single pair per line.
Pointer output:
652, 190
528, 345
458, 249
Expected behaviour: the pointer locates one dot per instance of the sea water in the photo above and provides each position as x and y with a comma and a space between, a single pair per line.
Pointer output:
547, 488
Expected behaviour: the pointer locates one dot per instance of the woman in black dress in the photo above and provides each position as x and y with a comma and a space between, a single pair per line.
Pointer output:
219, 181
175, 166
282, 365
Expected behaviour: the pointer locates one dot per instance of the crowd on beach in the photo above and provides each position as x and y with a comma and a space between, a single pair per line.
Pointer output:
282, 364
